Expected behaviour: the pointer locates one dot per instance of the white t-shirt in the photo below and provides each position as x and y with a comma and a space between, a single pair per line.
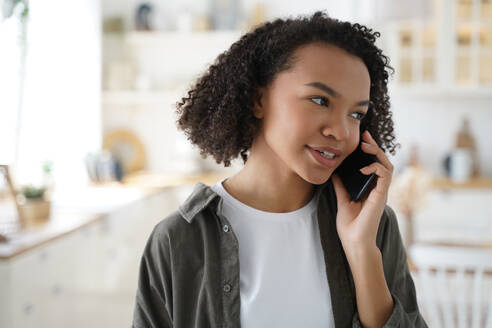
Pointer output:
283, 281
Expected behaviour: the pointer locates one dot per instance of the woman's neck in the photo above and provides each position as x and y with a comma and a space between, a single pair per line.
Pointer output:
265, 186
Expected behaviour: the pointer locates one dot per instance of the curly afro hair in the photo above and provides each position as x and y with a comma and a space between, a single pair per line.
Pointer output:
216, 115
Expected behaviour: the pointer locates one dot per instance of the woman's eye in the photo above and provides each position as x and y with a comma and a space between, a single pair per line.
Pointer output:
361, 115
323, 101
320, 100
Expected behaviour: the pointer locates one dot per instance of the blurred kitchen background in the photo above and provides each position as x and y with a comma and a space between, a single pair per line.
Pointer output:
91, 158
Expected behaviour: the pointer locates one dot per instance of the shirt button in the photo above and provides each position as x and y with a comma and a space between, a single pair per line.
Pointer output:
227, 288
226, 228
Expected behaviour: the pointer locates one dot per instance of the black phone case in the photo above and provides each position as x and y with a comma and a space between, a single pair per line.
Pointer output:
358, 185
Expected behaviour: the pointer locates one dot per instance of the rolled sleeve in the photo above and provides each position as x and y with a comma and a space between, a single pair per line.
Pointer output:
405, 313
398, 318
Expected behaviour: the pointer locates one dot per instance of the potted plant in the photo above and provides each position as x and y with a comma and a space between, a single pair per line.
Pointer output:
33, 204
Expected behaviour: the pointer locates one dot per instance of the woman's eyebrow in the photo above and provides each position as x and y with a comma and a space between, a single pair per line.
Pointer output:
333, 93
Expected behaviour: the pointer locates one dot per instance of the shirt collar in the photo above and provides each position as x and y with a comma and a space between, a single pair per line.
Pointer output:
203, 196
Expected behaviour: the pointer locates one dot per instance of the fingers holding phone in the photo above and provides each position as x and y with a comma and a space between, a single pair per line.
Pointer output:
357, 184
382, 167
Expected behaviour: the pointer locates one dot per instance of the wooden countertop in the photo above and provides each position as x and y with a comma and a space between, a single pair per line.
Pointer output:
157, 180
69, 215
473, 183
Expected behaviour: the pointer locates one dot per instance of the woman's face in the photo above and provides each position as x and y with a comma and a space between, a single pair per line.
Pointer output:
319, 102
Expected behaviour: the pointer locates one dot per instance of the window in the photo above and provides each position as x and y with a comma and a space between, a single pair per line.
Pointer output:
10, 79
60, 120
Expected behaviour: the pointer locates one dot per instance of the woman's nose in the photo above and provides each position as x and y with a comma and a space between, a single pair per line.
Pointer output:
337, 126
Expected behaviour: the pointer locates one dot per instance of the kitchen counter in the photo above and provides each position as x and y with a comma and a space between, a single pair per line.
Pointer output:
74, 209
474, 183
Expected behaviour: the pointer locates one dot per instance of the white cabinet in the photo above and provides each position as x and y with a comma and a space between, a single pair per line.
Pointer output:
39, 281
453, 50
86, 278
461, 216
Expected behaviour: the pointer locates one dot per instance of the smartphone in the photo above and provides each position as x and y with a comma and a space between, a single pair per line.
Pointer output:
358, 185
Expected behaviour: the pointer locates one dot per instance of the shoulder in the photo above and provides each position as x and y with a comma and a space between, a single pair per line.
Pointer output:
388, 231
174, 231
162, 234
168, 224
390, 243
388, 219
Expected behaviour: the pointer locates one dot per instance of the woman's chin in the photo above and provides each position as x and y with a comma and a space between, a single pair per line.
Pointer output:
317, 179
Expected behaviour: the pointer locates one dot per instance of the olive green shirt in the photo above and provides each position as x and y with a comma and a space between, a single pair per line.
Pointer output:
189, 270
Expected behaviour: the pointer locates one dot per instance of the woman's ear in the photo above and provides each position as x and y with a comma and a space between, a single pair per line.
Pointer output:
258, 103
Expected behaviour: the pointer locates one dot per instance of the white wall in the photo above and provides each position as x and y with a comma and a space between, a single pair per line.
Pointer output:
431, 121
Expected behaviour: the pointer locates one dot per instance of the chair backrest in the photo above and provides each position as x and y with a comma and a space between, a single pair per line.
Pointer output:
453, 284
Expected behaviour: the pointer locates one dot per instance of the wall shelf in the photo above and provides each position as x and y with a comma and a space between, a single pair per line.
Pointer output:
431, 90
158, 38
133, 97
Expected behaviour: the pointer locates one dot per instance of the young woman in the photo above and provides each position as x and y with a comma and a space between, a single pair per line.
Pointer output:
280, 244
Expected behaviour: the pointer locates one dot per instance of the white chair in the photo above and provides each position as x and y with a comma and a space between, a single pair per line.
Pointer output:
453, 284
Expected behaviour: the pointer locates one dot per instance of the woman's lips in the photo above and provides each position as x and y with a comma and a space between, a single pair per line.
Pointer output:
327, 162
